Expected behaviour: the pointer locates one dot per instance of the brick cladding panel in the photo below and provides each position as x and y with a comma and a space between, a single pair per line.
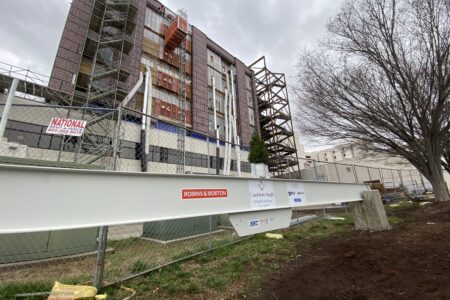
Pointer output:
241, 94
199, 82
68, 57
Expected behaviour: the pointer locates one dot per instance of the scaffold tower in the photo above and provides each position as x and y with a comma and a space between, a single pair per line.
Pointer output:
175, 41
275, 119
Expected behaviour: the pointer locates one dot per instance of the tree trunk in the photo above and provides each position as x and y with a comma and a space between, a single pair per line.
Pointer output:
438, 182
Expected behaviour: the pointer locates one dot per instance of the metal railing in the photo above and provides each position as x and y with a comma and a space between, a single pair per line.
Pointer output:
24, 74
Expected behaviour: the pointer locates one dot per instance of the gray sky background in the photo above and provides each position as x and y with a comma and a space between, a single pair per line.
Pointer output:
30, 30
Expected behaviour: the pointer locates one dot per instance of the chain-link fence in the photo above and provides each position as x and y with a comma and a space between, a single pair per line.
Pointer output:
126, 140
389, 181
113, 139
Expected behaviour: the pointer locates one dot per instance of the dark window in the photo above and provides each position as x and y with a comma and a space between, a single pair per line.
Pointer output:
163, 155
25, 127
56, 143
45, 141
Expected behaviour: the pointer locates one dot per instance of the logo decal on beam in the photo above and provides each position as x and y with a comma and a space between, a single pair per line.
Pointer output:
191, 194
261, 194
296, 193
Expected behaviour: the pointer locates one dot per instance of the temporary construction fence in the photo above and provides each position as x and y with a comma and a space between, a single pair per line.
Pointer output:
111, 140
407, 180
115, 139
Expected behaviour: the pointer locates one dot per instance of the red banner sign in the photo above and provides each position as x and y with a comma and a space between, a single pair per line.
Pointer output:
189, 194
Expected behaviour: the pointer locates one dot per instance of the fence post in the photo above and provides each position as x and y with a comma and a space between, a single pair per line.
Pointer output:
315, 170
287, 163
8, 104
355, 173
217, 153
413, 182
401, 178
210, 233
209, 166
116, 135
423, 182
337, 172
368, 172
100, 264
103, 232
381, 176
393, 179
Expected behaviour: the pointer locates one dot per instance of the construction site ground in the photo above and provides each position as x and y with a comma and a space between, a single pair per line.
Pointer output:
410, 261
321, 259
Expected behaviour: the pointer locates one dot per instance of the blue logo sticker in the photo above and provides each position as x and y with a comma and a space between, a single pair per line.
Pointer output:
254, 223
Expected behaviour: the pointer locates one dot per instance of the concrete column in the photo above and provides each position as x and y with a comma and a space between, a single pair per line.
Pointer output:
369, 214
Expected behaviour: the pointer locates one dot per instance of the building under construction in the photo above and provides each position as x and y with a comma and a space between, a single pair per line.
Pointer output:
156, 95
142, 55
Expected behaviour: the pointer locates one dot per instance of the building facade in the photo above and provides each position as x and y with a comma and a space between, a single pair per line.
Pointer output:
106, 43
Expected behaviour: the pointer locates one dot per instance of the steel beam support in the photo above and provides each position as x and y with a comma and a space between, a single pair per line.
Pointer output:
39, 199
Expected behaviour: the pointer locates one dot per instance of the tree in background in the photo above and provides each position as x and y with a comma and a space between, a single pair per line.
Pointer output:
258, 150
446, 156
381, 80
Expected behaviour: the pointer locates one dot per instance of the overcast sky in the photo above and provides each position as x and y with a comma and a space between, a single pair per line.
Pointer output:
30, 30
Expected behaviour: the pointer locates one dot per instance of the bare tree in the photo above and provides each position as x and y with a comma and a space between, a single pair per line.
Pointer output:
382, 80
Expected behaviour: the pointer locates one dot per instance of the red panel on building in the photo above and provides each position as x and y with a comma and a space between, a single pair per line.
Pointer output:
169, 111
176, 33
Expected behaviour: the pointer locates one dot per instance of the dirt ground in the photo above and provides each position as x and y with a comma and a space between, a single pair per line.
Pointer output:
410, 261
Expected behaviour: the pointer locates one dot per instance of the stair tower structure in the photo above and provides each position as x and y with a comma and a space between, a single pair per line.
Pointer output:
275, 119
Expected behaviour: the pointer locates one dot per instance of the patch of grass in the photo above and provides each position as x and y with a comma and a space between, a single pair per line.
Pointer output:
10, 290
244, 264
321, 229
393, 220
139, 266
401, 205
190, 252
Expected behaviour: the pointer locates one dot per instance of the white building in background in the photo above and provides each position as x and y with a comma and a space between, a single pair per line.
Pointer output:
348, 163
334, 154
350, 154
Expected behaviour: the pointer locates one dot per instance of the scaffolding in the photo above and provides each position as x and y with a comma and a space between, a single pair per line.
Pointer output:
103, 78
109, 42
175, 39
32, 85
275, 120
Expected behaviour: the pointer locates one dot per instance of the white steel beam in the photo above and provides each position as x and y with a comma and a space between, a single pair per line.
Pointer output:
39, 199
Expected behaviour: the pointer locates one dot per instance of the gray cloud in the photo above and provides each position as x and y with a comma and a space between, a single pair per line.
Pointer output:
249, 29
30, 30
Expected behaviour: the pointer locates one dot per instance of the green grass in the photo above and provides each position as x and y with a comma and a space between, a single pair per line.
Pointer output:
239, 267
402, 205
216, 272
9, 291
139, 266
393, 220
